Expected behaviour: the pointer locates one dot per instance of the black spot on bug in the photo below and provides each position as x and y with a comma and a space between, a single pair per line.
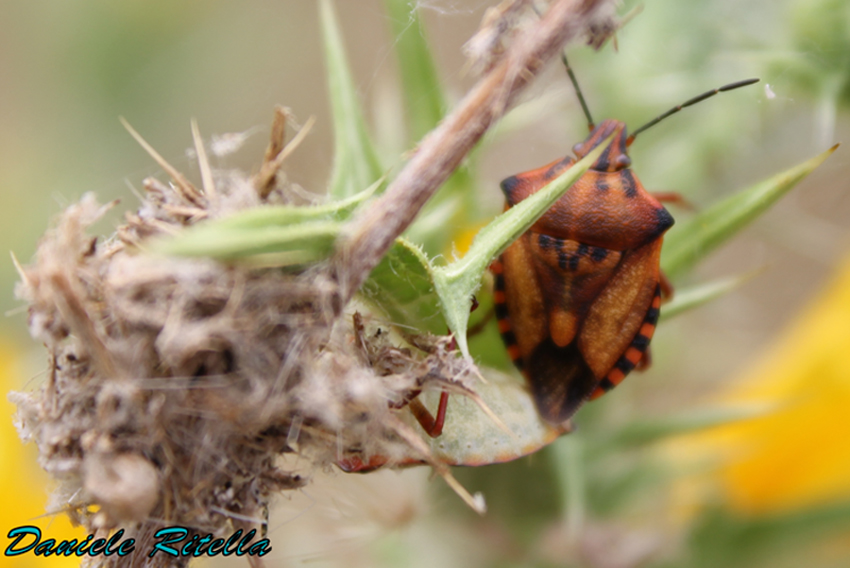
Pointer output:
602, 187
509, 338
563, 259
629, 187
582, 249
556, 168
574, 260
508, 186
501, 308
640, 342
606, 385
624, 365
598, 254
663, 220
544, 241
652, 316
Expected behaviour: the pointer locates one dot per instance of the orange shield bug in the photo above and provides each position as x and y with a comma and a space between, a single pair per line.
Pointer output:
578, 295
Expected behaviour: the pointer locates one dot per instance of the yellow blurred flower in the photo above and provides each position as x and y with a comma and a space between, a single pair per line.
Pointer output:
797, 454
23, 485
463, 240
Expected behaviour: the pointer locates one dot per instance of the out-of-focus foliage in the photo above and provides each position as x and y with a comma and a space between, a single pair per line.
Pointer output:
355, 164
820, 36
772, 492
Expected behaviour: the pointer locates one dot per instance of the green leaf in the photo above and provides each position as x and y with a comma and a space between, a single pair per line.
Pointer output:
294, 244
355, 163
456, 282
695, 296
280, 215
795, 538
690, 242
645, 432
303, 233
423, 95
402, 287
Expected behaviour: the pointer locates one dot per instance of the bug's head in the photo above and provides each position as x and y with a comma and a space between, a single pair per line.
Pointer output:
614, 158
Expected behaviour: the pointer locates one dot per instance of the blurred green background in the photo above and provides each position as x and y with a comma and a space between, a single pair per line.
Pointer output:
68, 70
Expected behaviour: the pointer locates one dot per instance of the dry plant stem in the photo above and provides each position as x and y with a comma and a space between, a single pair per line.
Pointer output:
371, 234
203, 162
264, 182
265, 179
189, 191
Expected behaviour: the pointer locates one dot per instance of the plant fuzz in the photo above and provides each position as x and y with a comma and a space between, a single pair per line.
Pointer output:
174, 385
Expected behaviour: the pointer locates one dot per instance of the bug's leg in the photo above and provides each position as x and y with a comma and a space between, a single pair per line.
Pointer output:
646, 361
432, 426
674, 198
666, 286
354, 464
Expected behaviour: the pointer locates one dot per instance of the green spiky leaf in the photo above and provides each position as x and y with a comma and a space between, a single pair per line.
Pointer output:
355, 162
695, 296
298, 234
402, 287
300, 243
648, 431
424, 101
689, 242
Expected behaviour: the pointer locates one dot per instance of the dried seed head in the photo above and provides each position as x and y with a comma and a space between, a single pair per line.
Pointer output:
176, 384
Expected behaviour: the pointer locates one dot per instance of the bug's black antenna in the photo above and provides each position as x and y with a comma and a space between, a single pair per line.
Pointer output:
573, 80
688, 103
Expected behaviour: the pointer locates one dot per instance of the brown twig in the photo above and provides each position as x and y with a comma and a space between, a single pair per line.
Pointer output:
372, 232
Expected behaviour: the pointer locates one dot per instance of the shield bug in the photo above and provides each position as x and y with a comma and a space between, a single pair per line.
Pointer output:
578, 295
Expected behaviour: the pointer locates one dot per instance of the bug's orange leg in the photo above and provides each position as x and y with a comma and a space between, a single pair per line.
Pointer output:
666, 286
441, 415
674, 198
432, 426
645, 362
354, 464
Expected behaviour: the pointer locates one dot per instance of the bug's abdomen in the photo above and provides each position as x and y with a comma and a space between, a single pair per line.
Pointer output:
570, 275
543, 288
574, 318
